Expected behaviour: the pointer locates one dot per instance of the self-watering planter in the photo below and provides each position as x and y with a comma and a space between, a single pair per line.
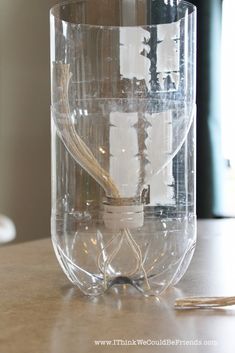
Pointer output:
123, 142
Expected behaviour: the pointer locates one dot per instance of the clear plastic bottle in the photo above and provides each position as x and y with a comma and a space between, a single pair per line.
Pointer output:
123, 142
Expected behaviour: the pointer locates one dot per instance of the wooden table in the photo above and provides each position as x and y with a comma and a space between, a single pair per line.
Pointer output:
41, 312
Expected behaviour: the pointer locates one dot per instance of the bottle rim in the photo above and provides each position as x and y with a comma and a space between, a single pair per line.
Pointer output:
54, 12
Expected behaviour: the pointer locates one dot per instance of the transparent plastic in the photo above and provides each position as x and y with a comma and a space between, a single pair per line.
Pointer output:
123, 142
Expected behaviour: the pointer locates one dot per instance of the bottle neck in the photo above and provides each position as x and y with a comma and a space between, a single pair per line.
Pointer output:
123, 213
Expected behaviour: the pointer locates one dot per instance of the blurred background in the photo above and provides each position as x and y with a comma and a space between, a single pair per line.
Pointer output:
25, 115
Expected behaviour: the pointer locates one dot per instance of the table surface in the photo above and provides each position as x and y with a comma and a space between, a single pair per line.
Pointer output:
41, 312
